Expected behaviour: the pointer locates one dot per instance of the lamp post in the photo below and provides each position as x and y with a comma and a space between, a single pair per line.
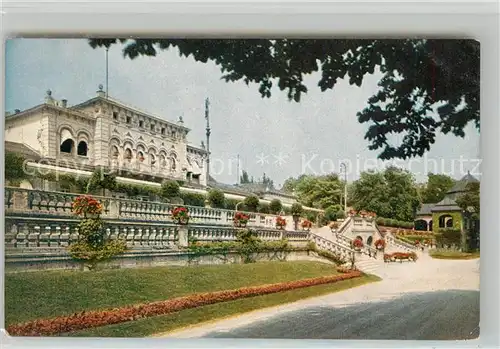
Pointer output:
344, 166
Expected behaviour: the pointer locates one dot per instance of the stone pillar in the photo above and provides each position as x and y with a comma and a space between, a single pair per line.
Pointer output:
183, 236
114, 209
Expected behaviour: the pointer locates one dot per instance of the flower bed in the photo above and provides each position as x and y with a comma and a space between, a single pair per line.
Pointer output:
400, 256
90, 319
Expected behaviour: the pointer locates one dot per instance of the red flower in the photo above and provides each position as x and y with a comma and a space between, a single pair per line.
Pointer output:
358, 243
280, 221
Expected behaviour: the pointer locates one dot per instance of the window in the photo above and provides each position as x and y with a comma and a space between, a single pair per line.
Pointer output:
67, 146
82, 148
163, 130
152, 127
129, 119
141, 123
115, 115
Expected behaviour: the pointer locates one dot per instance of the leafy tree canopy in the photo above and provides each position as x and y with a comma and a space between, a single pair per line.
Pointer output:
470, 199
391, 194
436, 188
418, 77
14, 167
316, 191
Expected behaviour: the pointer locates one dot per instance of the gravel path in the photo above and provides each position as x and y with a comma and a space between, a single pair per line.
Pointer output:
429, 299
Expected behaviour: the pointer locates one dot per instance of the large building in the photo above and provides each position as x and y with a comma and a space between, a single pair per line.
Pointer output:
107, 133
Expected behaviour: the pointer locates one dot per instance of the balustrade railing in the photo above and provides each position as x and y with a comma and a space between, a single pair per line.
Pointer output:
342, 251
367, 250
29, 201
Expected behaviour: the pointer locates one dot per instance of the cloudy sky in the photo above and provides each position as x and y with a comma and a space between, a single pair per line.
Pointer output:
272, 136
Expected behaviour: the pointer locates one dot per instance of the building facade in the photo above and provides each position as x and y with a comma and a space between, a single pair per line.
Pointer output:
103, 132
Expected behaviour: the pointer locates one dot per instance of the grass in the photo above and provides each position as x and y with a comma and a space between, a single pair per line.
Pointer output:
447, 254
166, 323
46, 294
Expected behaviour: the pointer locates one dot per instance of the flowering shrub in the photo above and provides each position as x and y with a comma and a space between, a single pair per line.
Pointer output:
86, 204
240, 219
411, 256
180, 215
334, 225
357, 243
280, 222
380, 244
306, 224
96, 318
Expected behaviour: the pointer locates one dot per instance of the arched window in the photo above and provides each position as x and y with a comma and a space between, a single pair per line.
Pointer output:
420, 224
127, 155
82, 148
152, 159
173, 163
114, 152
140, 156
369, 241
67, 146
163, 161
445, 221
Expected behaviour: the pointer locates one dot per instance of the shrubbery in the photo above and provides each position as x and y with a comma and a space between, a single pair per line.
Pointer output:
275, 206
251, 203
216, 198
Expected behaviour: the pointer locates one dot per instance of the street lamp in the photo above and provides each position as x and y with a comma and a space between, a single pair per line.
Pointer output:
343, 165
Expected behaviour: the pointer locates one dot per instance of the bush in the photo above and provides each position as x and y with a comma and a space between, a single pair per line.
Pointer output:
296, 209
341, 214
230, 204
275, 206
264, 208
331, 214
312, 216
170, 189
216, 198
251, 203
193, 199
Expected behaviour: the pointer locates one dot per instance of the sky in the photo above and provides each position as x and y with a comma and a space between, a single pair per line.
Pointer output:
275, 136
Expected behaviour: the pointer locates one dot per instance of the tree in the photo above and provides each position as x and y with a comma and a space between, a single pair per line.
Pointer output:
101, 180
436, 188
391, 193
244, 179
318, 191
275, 206
251, 203
418, 77
216, 198
170, 189
268, 182
14, 167
470, 200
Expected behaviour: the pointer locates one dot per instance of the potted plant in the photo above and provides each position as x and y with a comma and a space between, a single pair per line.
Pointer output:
334, 226
380, 244
240, 219
180, 215
306, 225
280, 222
87, 206
357, 244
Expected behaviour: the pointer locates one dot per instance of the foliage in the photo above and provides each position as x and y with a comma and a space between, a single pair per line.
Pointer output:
297, 209
137, 189
331, 213
216, 198
392, 257
170, 189
470, 199
391, 193
306, 224
230, 204
240, 218
91, 256
193, 199
275, 206
419, 77
251, 203
311, 246
449, 237
280, 222
264, 208
244, 178
436, 188
316, 191
14, 167
311, 215
95, 318
380, 244
86, 204
357, 243
180, 214
341, 214
99, 179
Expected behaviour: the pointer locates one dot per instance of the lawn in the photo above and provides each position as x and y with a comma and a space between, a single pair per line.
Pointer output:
46, 294
451, 254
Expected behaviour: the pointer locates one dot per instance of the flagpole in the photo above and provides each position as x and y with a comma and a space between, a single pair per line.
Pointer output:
107, 80
207, 103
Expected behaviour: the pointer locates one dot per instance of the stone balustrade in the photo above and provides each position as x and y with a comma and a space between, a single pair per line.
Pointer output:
344, 252
398, 243
367, 250
20, 201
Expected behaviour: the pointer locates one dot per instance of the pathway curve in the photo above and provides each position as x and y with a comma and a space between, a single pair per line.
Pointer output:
427, 284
